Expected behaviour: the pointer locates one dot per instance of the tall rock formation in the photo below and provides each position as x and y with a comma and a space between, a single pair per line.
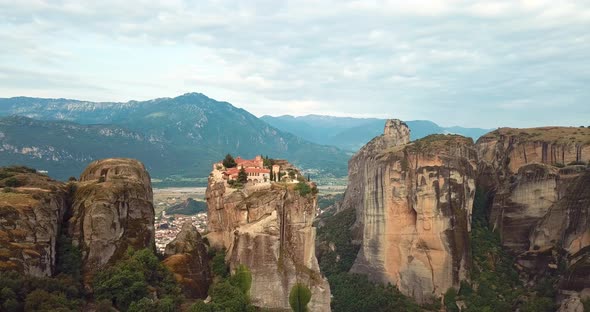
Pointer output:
268, 228
186, 257
413, 203
538, 186
32, 207
112, 210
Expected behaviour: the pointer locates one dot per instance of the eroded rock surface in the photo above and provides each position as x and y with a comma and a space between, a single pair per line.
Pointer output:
112, 210
186, 257
413, 203
269, 230
32, 207
538, 187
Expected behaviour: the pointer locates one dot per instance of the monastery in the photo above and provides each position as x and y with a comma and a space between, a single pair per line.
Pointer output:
254, 168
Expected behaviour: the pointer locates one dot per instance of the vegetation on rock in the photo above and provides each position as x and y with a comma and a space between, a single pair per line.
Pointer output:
495, 284
242, 176
299, 297
228, 293
64, 292
131, 283
229, 161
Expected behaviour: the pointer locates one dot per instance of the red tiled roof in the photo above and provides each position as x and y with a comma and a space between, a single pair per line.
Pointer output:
256, 170
233, 171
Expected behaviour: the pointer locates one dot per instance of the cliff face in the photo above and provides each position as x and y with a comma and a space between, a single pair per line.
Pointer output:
186, 257
31, 212
112, 210
413, 203
269, 229
537, 185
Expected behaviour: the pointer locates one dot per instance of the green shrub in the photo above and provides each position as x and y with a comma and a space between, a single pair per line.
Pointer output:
336, 230
303, 188
242, 279
449, 300
11, 305
41, 300
539, 304
299, 297
104, 305
18, 292
127, 282
200, 306
227, 297
354, 292
12, 182
229, 161
242, 176
69, 258
218, 266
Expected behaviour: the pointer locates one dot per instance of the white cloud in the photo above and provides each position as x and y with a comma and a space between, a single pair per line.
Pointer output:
438, 60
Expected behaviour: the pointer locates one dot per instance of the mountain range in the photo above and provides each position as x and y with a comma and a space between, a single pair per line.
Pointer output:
351, 134
173, 136
180, 136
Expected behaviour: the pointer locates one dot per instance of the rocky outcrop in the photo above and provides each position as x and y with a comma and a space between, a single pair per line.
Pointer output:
413, 203
186, 257
269, 229
32, 207
537, 182
112, 210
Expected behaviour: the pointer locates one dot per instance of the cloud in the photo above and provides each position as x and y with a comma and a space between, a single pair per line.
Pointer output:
472, 63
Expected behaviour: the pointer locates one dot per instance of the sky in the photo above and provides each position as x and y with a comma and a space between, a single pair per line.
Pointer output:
470, 63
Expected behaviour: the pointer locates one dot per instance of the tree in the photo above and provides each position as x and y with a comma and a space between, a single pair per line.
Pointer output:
227, 297
267, 162
131, 279
242, 279
12, 182
218, 266
299, 297
229, 161
242, 176
303, 188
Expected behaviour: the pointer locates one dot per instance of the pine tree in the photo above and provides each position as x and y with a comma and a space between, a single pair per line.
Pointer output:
299, 297
229, 161
242, 176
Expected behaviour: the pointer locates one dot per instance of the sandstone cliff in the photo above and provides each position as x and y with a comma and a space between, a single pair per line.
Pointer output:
537, 182
112, 210
32, 207
269, 229
413, 204
186, 257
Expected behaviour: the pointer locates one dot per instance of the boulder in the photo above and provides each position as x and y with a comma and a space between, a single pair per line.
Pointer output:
32, 207
186, 257
112, 211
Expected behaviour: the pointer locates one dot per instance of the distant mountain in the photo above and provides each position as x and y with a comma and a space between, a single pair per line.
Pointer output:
173, 136
65, 148
352, 133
